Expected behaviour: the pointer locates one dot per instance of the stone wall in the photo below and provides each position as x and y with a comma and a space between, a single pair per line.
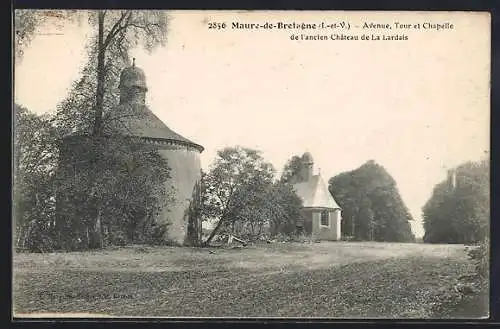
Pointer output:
185, 175
320, 232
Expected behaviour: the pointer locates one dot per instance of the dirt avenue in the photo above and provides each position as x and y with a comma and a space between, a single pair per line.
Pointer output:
163, 281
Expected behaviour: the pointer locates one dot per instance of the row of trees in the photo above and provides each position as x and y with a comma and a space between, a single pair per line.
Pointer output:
459, 208
372, 208
239, 191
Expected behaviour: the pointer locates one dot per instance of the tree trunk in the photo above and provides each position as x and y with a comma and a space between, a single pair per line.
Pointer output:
214, 232
97, 232
100, 76
353, 227
96, 240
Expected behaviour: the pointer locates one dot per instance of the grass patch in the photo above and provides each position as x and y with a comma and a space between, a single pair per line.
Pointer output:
334, 280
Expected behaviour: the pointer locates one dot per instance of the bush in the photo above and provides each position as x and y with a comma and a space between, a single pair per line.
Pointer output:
480, 256
467, 288
118, 238
39, 238
157, 234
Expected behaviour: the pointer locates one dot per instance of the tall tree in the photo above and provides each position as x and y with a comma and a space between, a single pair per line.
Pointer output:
372, 206
95, 92
92, 96
238, 178
459, 208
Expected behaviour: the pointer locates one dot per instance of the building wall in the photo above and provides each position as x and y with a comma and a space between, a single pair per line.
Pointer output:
185, 175
320, 232
336, 218
308, 219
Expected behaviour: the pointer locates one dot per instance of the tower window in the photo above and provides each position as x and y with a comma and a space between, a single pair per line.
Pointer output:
325, 218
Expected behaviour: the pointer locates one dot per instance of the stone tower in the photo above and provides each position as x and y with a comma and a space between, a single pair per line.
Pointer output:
134, 119
181, 154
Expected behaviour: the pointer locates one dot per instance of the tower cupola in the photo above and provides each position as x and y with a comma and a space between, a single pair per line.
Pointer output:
307, 166
133, 85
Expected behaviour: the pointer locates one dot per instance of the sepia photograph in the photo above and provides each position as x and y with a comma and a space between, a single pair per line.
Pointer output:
250, 164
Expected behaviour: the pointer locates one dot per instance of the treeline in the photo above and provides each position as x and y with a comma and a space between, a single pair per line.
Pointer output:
116, 189
372, 208
120, 188
459, 209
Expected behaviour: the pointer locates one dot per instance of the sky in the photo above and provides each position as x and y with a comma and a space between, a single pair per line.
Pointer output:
417, 107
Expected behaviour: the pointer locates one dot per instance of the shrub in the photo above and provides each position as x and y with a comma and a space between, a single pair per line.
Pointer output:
39, 238
118, 238
480, 256
157, 234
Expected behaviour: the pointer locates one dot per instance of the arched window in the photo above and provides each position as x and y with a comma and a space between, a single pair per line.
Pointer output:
325, 218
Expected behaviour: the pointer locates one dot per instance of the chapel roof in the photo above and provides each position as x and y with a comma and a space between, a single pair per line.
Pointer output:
314, 194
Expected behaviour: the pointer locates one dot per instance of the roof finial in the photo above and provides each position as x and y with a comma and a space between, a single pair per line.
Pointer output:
133, 62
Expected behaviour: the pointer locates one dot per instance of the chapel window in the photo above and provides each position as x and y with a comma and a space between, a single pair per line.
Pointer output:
325, 218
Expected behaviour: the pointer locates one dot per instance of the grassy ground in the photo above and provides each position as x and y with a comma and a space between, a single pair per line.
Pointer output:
335, 280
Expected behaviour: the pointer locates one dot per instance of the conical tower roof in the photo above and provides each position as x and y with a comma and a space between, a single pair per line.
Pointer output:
135, 118
139, 121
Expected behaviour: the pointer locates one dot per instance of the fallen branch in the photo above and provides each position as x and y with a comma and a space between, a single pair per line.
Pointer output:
232, 237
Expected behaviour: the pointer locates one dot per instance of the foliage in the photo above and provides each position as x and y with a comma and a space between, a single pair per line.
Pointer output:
89, 105
126, 193
470, 291
235, 183
240, 193
34, 165
27, 21
459, 214
371, 205
291, 170
118, 188
286, 207
122, 31
480, 256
